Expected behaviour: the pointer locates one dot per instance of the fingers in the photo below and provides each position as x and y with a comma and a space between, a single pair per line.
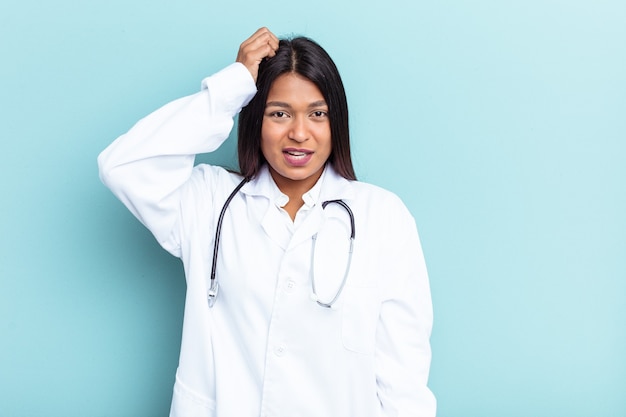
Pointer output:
261, 44
263, 40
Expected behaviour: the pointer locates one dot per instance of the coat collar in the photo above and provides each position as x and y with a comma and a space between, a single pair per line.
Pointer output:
333, 186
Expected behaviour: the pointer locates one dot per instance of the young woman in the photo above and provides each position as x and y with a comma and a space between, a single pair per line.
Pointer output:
307, 292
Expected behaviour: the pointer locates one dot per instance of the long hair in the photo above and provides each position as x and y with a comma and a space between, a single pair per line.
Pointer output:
304, 57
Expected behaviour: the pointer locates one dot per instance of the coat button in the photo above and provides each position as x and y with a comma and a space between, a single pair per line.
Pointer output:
290, 285
279, 350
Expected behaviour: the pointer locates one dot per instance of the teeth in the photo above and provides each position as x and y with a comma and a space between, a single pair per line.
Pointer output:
296, 153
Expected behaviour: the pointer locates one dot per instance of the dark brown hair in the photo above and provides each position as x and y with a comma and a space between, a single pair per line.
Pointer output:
304, 57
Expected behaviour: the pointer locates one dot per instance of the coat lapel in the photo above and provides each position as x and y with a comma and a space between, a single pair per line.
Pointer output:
261, 193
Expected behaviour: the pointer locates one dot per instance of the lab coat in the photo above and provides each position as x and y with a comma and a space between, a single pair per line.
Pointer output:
265, 348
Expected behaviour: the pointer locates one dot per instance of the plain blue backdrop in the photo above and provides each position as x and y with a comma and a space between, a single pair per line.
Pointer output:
501, 124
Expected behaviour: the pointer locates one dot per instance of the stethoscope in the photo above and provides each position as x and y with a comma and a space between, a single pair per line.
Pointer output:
214, 287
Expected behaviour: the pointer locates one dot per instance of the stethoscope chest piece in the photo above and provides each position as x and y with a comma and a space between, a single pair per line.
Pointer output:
212, 293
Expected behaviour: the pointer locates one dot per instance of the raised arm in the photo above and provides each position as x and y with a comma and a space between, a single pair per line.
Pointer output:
147, 167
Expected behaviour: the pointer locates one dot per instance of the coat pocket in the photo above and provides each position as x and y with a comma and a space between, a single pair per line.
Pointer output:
359, 319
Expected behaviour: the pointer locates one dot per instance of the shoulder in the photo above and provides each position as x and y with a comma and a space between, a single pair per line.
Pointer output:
210, 182
377, 196
382, 209
214, 173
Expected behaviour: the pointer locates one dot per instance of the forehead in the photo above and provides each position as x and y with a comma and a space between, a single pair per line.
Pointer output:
294, 88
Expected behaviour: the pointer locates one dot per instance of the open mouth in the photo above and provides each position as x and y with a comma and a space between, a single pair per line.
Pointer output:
298, 154
297, 157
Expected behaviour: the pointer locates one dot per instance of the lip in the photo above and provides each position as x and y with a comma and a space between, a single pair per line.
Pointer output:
297, 157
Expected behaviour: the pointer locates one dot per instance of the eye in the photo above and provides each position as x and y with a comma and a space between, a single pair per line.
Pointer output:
279, 114
318, 114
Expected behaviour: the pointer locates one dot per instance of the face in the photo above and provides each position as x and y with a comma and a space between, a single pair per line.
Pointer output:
295, 134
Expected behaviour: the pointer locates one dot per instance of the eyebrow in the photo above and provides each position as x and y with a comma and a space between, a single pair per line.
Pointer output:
282, 104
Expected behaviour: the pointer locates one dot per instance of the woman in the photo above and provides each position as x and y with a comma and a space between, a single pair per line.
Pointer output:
283, 317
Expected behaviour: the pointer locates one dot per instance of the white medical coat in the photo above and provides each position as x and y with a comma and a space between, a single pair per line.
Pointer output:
265, 348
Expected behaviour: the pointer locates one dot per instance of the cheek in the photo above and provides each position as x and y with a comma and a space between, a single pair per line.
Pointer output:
327, 138
270, 132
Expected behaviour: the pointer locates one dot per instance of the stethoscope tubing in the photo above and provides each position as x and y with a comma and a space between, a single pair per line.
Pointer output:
314, 296
214, 286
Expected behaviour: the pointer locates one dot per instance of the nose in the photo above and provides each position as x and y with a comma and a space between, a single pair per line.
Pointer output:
299, 131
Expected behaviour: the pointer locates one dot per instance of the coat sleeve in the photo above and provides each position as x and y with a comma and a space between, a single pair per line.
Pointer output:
147, 166
403, 351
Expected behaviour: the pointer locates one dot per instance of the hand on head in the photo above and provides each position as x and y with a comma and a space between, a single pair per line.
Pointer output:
261, 44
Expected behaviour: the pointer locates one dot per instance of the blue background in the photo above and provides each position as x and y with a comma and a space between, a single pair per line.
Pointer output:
501, 124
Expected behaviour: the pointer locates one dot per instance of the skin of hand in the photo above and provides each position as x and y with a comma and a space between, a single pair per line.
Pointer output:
262, 44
